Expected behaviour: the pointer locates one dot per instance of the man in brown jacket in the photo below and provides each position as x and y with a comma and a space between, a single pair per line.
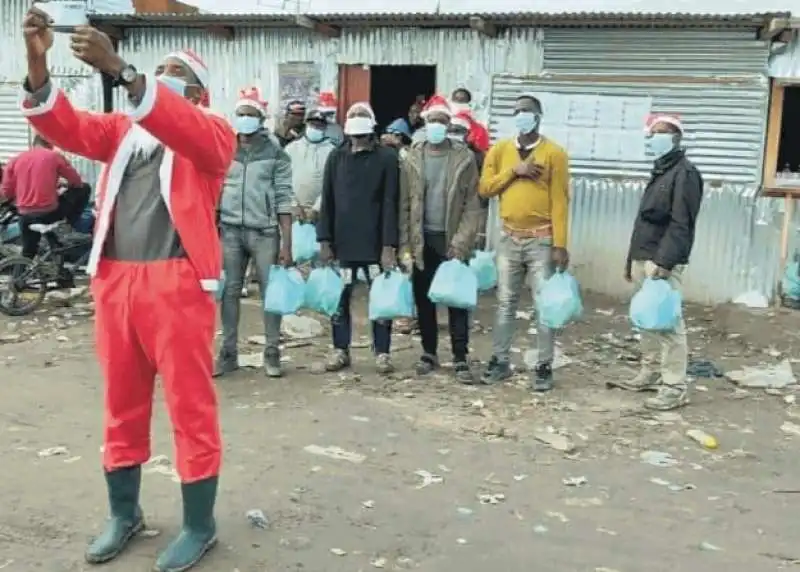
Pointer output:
439, 216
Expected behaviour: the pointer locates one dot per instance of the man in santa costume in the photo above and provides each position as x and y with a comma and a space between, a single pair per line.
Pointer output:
327, 105
155, 264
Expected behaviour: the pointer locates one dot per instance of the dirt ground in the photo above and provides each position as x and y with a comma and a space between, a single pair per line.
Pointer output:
428, 475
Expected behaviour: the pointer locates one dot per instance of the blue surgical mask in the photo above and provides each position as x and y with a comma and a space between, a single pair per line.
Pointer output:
175, 84
526, 121
314, 135
246, 124
435, 133
659, 144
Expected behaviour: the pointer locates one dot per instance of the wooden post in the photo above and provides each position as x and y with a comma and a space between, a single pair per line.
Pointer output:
788, 215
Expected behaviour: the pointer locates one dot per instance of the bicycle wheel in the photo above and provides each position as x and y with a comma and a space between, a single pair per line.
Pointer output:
22, 286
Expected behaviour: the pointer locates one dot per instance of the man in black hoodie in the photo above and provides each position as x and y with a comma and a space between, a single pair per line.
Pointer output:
358, 225
663, 235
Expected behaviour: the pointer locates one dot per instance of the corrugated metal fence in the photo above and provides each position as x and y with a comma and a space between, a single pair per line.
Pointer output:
716, 79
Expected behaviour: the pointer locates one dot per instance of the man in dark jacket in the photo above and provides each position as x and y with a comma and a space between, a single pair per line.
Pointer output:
358, 224
661, 243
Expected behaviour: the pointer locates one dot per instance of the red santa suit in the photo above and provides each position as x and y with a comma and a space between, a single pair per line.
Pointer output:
154, 317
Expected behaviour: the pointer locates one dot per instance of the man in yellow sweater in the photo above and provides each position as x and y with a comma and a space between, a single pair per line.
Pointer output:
530, 175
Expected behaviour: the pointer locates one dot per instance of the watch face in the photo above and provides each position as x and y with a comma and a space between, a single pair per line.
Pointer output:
128, 75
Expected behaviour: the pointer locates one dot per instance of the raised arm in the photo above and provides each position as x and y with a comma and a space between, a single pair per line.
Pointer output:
201, 136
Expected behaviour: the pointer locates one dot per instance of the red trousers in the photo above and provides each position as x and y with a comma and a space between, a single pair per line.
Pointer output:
153, 318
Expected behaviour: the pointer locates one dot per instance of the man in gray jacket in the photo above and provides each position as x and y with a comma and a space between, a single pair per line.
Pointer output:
256, 223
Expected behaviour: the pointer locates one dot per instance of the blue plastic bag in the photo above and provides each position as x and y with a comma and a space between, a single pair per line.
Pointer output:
304, 242
485, 269
558, 300
656, 306
285, 291
390, 297
324, 290
790, 283
454, 285
11, 233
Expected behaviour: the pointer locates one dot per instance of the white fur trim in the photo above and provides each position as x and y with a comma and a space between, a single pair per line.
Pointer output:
460, 121
436, 109
250, 103
148, 102
42, 108
326, 109
209, 284
198, 67
668, 119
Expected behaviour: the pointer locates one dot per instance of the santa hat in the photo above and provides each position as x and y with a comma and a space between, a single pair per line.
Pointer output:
462, 119
671, 119
251, 97
193, 61
436, 104
363, 106
326, 102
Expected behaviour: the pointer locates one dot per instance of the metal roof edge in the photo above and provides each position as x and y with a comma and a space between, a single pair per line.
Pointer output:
527, 19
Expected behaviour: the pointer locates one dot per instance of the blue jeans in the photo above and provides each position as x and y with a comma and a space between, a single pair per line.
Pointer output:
342, 322
520, 261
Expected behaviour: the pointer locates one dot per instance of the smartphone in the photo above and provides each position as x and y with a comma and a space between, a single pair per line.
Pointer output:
65, 15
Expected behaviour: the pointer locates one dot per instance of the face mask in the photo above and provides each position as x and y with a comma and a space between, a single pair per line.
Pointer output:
175, 84
314, 135
435, 132
526, 121
359, 126
461, 107
246, 125
659, 144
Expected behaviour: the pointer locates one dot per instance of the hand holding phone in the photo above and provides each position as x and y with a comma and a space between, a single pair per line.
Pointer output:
63, 15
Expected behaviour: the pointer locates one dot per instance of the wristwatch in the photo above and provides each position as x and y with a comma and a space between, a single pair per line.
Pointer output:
127, 75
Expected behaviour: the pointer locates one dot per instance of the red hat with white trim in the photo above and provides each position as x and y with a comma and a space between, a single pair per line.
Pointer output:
436, 104
195, 63
462, 119
251, 97
669, 118
326, 102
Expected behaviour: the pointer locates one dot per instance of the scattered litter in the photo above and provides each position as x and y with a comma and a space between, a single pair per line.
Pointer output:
359, 419
71, 460
540, 529
428, 478
257, 518
255, 360
790, 399
560, 359
775, 376
519, 478
603, 312
607, 531
555, 441
491, 498
575, 481
584, 502
658, 459
708, 547
461, 541
464, 511
703, 368
368, 504
161, 465
338, 551
150, 533
702, 438
660, 482
301, 327
335, 453
790, 428
557, 515
378, 563
53, 452
752, 299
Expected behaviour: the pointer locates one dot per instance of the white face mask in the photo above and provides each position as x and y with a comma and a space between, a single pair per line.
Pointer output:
359, 126
460, 107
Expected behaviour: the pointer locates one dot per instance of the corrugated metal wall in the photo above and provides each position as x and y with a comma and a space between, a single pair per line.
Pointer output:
462, 57
14, 130
725, 122
81, 84
737, 235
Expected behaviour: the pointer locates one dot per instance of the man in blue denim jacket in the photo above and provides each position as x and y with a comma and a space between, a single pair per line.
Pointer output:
256, 223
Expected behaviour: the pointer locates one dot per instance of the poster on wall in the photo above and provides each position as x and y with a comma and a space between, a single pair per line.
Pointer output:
596, 127
298, 80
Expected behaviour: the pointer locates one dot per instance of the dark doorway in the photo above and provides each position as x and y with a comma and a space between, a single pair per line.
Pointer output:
394, 88
789, 146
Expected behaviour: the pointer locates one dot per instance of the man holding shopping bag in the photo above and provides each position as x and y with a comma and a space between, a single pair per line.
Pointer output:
439, 215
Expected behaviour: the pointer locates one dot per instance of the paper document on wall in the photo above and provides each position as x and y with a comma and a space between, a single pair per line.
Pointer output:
596, 127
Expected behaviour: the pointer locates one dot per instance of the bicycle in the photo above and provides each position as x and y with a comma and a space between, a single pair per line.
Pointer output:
20, 276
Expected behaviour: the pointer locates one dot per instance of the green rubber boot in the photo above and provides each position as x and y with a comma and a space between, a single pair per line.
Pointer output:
126, 516
199, 532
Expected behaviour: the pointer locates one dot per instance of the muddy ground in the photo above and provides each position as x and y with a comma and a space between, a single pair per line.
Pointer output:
428, 475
